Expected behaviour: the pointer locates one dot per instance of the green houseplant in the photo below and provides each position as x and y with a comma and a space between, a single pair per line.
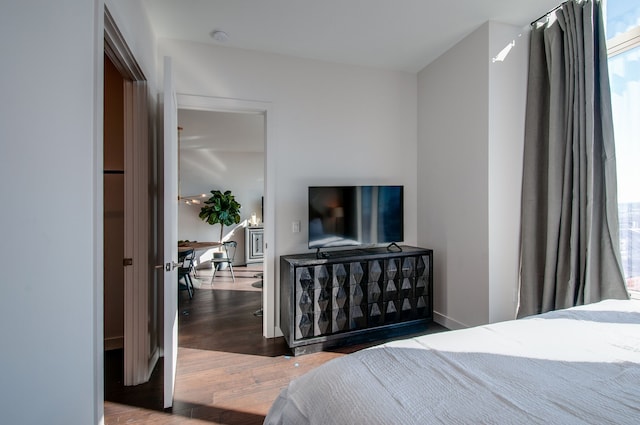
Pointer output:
221, 208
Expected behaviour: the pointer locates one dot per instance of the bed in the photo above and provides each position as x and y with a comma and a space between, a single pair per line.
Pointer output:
575, 366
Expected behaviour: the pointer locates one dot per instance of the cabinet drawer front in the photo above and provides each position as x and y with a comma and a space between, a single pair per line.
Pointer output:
303, 292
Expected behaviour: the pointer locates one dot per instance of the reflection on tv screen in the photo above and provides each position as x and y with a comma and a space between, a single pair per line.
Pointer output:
355, 215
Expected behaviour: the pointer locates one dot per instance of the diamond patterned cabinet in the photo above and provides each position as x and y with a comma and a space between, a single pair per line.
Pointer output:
354, 295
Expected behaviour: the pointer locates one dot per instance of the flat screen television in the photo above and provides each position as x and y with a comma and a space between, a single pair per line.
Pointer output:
355, 215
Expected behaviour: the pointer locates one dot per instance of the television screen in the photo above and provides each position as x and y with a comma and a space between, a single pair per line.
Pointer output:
355, 215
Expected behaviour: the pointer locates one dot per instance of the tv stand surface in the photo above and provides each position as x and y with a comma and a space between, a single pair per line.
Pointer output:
340, 253
354, 294
357, 251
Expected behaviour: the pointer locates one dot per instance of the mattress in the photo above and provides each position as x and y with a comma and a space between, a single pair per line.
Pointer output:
575, 366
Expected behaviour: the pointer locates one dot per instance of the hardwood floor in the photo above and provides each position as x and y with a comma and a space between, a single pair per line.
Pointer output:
227, 372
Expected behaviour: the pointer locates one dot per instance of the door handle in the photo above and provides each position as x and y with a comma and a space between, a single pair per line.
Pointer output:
168, 267
171, 266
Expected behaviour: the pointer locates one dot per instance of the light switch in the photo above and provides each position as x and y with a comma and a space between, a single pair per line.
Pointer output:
295, 226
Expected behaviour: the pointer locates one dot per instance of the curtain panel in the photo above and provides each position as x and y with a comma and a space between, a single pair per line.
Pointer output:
569, 229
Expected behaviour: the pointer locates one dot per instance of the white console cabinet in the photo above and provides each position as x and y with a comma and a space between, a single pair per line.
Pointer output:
254, 244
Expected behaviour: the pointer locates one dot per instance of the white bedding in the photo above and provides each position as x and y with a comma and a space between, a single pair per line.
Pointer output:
574, 366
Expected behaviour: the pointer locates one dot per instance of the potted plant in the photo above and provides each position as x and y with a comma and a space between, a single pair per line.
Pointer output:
221, 208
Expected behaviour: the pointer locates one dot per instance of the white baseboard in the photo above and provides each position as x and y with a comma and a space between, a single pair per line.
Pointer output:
448, 322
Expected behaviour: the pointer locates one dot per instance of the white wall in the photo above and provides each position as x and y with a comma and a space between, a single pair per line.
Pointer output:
507, 101
240, 172
333, 124
453, 193
50, 127
470, 135
50, 179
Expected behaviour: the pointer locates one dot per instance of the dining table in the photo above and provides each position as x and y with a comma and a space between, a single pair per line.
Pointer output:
184, 246
197, 246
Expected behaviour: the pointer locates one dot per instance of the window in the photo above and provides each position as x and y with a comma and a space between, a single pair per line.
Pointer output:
623, 42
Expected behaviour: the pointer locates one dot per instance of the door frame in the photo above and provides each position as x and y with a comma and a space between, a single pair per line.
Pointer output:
169, 223
139, 356
222, 104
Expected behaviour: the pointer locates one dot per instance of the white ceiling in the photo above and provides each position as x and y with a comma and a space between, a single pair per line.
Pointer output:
209, 142
220, 131
392, 34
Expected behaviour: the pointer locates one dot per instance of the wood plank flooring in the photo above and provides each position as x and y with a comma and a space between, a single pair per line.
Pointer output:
227, 372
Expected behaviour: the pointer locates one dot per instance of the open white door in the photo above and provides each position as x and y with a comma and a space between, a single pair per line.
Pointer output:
170, 234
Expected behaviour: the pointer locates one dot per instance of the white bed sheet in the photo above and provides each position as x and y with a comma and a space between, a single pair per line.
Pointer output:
574, 366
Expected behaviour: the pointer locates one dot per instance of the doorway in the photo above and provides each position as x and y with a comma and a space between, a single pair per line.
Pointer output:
265, 110
113, 181
131, 315
223, 150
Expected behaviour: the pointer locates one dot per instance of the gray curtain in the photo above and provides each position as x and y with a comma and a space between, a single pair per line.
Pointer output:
569, 236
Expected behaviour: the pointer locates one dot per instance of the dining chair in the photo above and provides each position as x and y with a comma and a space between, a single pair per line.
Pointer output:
185, 259
229, 249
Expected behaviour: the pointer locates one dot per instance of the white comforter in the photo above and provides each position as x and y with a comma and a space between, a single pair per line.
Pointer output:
575, 366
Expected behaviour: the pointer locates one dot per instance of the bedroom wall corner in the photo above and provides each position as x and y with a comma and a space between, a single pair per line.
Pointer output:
469, 175
452, 178
509, 48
